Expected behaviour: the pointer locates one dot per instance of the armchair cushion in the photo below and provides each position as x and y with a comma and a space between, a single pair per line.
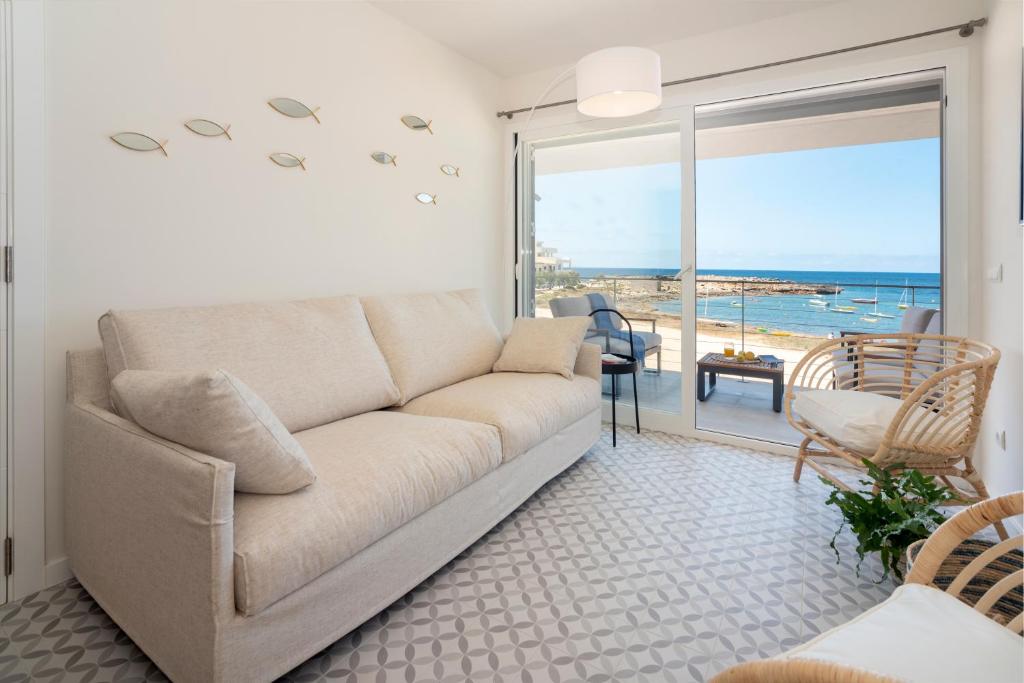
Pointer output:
922, 634
855, 419
215, 413
652, 342
543, 345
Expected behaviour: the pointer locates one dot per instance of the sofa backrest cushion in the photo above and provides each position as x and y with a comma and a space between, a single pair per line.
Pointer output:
433, 340
312, 361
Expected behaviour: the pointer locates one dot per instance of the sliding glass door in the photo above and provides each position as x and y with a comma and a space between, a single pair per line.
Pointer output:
818, 214
753, 225
603, 214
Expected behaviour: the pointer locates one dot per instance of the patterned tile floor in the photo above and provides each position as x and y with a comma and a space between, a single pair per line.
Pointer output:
666, 559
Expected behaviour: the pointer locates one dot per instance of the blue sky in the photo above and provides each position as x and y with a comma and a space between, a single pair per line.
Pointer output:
861, 208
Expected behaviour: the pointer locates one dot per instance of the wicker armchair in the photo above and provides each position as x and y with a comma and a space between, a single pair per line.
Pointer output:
928, 390
939, 626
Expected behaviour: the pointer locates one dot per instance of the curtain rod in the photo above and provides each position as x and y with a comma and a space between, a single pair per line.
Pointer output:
965, 30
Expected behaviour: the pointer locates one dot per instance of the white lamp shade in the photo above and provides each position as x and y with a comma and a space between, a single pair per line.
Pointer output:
618, 81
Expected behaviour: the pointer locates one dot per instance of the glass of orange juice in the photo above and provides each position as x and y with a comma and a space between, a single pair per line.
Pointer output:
730, 350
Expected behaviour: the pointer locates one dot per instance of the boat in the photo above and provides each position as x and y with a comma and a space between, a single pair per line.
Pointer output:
836, 308
736, 304
820, 303
875, 314
781, 333
865, 300
902, 305
868, 319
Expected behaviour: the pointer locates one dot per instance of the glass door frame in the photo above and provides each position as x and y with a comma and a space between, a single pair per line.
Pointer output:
679, 104
662, 121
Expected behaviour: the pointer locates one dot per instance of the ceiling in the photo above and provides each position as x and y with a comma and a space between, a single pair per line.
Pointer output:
513, 37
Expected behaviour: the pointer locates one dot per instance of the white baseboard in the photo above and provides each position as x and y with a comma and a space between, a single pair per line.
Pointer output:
58, 571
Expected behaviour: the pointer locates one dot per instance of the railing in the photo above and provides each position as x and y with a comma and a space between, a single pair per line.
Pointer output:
776, 307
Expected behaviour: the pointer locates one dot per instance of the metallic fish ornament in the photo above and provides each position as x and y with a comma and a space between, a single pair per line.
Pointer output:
416, 123
384, 158
139, 142
448, 169
288, 160
293, 108
424, 198
209, 129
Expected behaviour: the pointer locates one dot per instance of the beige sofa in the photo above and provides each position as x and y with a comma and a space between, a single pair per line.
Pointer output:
419, 449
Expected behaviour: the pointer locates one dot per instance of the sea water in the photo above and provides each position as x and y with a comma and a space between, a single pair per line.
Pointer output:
794, 313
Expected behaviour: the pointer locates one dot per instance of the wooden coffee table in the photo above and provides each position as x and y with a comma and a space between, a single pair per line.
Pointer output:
714, 364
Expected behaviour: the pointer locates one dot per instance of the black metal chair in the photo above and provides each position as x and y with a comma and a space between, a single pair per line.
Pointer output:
630, 367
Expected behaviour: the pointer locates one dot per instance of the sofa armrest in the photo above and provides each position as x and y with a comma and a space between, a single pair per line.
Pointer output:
149, 528
588, 361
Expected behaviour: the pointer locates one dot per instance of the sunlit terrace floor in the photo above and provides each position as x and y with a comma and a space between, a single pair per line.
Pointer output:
739, 407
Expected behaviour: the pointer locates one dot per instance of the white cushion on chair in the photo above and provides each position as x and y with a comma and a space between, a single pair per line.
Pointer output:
855, 419
922, 634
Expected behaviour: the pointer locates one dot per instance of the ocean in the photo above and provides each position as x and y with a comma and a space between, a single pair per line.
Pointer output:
793, 313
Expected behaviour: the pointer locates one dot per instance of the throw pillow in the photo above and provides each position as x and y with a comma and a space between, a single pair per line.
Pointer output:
214, 413
543, 345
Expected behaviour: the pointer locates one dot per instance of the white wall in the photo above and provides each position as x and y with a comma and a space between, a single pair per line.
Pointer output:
1002, 303
216, 221
994, 237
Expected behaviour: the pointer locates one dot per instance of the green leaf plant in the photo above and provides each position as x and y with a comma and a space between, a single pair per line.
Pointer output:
899, 508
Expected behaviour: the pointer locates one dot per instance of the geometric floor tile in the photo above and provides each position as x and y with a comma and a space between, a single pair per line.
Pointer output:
665, 559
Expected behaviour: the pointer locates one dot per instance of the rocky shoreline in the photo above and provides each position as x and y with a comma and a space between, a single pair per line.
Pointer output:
718, 285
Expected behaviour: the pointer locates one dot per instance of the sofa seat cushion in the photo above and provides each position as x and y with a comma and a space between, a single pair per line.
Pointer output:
375, 472
312, 361
526, 408
922, 634
433, 340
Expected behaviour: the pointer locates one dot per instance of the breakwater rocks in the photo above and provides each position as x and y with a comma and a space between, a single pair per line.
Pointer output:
708, 285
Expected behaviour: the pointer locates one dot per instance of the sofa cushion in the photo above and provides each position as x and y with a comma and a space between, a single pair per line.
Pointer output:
543, 345
215, 413
526, 408
433, 340
312, 361
922, 634
375, 472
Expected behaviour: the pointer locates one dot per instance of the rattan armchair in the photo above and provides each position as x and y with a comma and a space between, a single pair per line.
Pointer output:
994, 576
936, 387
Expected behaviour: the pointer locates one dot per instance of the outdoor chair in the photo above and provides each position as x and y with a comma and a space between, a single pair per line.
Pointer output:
929, 630
915, 320
915, 400
612, 339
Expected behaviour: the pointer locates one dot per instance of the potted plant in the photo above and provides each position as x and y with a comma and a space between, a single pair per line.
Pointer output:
901, 507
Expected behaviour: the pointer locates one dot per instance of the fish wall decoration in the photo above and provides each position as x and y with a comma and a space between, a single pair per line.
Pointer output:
137, 142
416, 123
288, 160
293, 108
448, 169
208, 129
424, 198
384, 158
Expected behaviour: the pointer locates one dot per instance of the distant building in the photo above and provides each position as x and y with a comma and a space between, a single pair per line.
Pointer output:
548, 261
